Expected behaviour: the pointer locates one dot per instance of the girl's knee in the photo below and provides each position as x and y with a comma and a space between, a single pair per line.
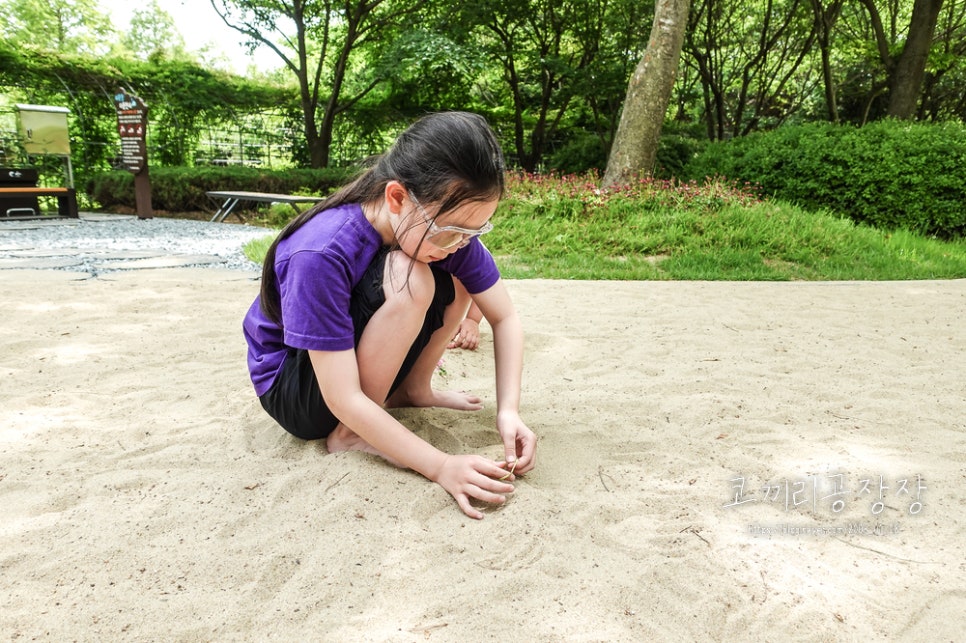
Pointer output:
409, 281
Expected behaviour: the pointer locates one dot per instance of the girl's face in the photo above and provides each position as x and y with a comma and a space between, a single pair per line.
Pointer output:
426, 240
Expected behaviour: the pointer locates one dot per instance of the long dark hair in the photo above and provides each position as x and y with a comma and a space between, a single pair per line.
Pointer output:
446, 159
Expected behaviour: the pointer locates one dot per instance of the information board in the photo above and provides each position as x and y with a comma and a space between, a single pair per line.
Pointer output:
132, 126
43, 129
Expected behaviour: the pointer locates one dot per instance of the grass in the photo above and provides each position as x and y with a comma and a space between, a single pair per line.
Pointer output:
256, 249
566, 228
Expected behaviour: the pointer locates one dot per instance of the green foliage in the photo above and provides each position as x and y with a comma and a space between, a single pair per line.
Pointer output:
429, 68
180, 189
889, 174
584, 151
674, 152
152, 32
550, 66
180, 87
183, 100
256, 249
565, 227
549, 76
69, 26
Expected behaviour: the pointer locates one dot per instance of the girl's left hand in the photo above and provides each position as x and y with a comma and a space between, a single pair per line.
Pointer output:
467, 337
519, 442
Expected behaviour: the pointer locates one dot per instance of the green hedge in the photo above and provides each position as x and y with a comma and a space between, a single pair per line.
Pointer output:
183, 189
889, 174
584, 152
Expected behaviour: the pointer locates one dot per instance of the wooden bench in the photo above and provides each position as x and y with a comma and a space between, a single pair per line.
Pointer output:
66, 201
232, 199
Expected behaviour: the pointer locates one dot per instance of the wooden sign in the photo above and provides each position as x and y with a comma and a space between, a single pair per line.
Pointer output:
132, 127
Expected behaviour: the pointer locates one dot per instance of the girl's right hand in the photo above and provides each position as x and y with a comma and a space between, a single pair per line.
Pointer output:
473, 476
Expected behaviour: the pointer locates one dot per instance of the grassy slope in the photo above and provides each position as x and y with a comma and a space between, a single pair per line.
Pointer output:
564, 228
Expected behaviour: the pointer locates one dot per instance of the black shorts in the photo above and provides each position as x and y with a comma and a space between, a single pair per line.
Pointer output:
295, 400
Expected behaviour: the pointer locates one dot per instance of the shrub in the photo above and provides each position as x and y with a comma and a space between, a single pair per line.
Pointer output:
889, 174
183, 189
585, 151
674, 152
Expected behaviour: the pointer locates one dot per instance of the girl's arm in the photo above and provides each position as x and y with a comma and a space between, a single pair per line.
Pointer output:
518, 440
464, 476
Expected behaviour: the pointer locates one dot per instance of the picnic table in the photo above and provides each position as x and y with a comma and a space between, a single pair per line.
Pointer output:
232, 199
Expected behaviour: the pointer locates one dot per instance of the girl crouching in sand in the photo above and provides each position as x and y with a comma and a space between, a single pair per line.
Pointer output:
361, 294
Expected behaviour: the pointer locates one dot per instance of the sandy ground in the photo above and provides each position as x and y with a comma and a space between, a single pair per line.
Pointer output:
718, 461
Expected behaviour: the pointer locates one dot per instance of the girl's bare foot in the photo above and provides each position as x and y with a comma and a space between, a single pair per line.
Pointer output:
345, 439
440, 399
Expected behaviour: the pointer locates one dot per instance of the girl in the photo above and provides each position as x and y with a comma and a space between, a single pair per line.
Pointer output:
361, 294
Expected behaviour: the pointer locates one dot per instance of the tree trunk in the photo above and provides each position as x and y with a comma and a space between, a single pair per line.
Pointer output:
634, 150
905, 84
825, 19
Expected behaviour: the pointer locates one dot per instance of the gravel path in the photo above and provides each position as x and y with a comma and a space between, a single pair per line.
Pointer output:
107, 243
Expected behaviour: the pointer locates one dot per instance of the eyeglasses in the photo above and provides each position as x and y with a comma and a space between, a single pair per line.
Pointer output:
446, 237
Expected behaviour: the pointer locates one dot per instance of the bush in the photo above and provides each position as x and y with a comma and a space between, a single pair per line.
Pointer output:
183, 189
674, 152
583, 152
587, 152
889, 174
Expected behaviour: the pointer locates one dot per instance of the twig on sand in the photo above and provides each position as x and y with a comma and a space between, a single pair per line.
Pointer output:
882, 553
853, 418
327, 489
601, 474
692, 530
426, 629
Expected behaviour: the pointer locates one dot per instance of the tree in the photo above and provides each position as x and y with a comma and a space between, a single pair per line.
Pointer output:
316, 40
67, 26
749, 61
942, 95
825, 18
622, 41
527, 41
551, 55
760, 63
905, 72
648, 93
153, 32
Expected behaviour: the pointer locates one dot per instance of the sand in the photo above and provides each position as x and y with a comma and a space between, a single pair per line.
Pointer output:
695, 442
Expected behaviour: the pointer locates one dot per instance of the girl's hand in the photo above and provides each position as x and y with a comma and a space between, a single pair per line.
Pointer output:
472, 476
519, 442
467, 336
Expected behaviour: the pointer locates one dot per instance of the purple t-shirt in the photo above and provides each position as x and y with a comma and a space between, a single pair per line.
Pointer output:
316, 269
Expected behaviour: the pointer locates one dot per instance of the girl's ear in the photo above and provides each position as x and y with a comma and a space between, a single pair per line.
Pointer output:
395, 195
